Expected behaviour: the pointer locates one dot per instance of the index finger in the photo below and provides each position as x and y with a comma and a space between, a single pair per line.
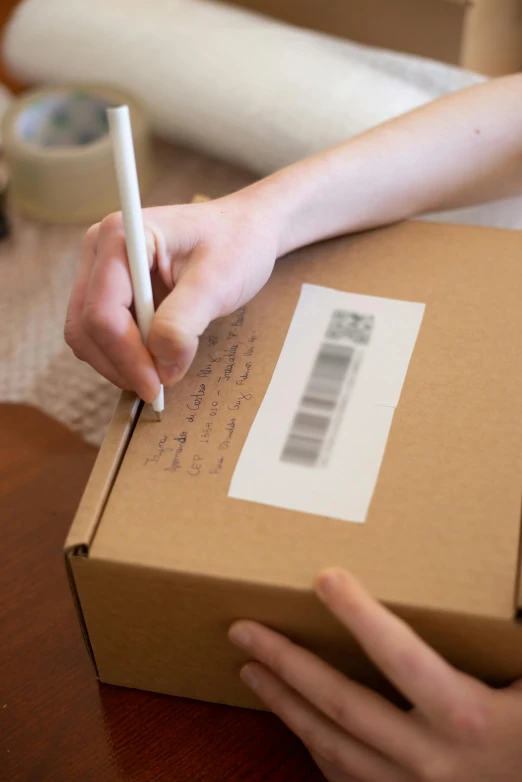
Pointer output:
417, 671
107, 316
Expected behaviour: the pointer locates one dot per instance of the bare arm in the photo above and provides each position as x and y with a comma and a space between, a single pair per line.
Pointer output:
463, 149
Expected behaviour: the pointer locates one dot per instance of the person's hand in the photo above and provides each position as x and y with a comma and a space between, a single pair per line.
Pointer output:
206, 260
459, 730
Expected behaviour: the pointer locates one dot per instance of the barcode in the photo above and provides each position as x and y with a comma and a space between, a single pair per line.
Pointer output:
318, 405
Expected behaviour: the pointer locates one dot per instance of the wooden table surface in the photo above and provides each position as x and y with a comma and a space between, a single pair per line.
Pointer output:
57, 724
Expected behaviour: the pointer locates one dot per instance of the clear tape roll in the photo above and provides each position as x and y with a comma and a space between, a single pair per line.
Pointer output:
59, 156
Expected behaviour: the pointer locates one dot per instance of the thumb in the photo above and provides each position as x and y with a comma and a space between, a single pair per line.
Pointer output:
182, 317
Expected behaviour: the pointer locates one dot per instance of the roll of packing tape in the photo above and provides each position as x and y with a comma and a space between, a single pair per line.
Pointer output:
59, 155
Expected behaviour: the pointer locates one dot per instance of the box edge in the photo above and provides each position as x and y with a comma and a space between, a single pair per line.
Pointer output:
104, 472
95, 495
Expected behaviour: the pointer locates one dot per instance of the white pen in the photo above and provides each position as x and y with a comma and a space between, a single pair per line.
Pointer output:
127, 176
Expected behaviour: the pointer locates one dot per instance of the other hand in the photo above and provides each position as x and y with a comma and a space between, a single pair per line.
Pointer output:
459, 730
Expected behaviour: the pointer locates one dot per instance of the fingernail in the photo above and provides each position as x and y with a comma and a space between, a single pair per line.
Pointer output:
240, 635
329, 581
151, 386
169, 373
249, 677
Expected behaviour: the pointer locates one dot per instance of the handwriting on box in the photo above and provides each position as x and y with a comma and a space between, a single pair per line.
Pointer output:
218, 388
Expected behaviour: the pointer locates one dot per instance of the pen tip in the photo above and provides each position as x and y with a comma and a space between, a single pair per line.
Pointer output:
159, 415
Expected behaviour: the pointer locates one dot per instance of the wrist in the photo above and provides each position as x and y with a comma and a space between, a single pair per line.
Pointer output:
315, 199
279, 202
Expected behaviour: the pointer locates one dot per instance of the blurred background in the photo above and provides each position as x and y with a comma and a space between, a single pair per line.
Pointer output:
484, 35
220, 94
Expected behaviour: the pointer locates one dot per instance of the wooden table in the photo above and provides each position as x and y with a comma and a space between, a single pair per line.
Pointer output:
57, 724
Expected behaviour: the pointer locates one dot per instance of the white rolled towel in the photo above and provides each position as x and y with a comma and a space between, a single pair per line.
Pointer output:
237, 85
234, 84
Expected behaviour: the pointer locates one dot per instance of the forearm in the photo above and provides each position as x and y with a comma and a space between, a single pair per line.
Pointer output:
463, 149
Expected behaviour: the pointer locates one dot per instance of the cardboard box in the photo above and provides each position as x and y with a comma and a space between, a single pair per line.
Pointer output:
161, 559
483, 36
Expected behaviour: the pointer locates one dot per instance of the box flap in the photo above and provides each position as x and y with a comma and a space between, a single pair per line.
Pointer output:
103, 473
95, 496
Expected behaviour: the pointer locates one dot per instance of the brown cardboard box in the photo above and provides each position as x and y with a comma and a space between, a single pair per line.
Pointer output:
161, 560
483, 35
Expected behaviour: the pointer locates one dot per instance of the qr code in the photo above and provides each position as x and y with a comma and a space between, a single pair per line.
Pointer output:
351, 325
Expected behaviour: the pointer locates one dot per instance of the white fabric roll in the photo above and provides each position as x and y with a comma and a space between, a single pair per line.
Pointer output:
236, 85
228, 82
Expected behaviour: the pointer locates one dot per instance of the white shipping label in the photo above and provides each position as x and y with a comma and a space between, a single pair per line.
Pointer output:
319, 437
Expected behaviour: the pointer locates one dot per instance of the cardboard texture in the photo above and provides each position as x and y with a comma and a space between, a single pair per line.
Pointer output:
162, 560
483, 36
